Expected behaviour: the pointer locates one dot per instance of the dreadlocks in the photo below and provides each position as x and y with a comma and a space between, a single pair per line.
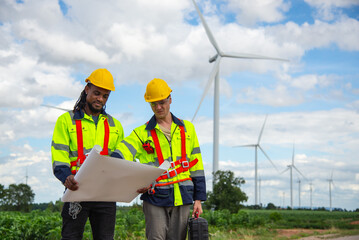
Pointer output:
81, 102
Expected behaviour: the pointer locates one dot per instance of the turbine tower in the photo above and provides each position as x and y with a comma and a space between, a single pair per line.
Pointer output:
260, 184
256, 146
215, 76
330, 190
290, 167
311, 193
299, 191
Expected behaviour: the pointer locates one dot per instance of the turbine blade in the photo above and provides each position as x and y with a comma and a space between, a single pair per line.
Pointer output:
293, 155
252, 56
211, 78
268, 157
208, 31
248, 145
260, 134
331, 176
299, 172
49, 106
285, 170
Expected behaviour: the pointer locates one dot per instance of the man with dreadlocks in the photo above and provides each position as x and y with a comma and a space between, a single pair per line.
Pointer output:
76, 133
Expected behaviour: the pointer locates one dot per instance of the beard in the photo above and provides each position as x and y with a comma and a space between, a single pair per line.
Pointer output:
94, 110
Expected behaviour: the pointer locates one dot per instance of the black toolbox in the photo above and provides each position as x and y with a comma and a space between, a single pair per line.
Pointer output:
197, 229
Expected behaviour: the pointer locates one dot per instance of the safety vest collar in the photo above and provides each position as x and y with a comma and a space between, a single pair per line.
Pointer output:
79, 114
153, 122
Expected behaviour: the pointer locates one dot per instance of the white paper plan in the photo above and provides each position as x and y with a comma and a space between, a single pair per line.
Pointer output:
104, 178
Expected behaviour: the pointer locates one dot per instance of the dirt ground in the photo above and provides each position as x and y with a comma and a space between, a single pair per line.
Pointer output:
317, 234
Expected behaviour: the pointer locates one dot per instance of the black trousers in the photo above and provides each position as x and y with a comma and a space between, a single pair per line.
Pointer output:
102, 217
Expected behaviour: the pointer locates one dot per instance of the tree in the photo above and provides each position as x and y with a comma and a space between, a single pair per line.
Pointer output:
17, 197
227, 193
2, 194
271, 206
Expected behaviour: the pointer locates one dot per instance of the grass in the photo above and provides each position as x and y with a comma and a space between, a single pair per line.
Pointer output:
246, 224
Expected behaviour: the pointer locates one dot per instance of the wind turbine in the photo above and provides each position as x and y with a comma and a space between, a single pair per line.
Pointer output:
299, 191
256, 146
330, 190
290, 167
260, 184
311, 193
215, 76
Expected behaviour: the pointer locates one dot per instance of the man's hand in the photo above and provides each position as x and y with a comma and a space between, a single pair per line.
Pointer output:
71, 183
143, 190
197, 208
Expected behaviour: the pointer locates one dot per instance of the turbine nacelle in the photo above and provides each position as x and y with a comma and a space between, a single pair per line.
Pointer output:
214, 58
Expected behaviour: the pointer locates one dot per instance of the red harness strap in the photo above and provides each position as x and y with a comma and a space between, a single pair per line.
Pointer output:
80, 145
107, 137
157, 146
183, 161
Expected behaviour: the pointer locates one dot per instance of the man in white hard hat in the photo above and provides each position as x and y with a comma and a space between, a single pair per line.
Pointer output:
167, 202
75, 134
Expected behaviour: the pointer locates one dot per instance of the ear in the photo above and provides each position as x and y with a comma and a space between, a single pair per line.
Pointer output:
170, 100
87, 88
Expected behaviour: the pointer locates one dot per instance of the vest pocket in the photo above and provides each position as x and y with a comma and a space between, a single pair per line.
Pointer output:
162, 193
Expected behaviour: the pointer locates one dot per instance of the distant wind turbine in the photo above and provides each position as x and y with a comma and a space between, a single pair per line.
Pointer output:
215, 76
330, 190
311, 193
290, 167
256, 146
260, 184
299, 191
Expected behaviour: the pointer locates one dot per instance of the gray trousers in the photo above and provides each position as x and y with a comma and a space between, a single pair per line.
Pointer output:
166, 223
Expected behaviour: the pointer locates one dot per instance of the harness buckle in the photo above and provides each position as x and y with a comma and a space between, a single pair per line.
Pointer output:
185, 164
168, 173
173, 165
151, 191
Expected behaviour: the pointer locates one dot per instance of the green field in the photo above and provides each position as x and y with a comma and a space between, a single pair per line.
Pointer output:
246, 224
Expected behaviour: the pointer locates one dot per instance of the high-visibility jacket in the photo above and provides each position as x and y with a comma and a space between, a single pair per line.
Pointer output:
188, 185
64, 147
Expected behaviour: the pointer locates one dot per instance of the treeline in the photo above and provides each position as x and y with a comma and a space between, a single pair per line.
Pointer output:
17, 197
226, 195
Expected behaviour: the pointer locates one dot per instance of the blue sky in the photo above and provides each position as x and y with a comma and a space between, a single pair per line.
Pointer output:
48, 48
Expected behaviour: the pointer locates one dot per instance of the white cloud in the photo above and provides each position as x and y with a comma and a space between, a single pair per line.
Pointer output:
279, 96
328, 9
344, 33
253, 11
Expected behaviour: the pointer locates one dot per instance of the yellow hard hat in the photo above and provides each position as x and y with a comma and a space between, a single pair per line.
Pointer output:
102, 78
157, 90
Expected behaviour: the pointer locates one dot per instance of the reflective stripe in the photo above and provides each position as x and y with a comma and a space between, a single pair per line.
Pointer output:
132, 150
58, 163
119, 152
198, 173
62, 147
111, 122
196, 150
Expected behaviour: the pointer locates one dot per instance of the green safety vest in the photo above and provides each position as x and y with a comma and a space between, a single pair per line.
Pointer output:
176, 189
65, 141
